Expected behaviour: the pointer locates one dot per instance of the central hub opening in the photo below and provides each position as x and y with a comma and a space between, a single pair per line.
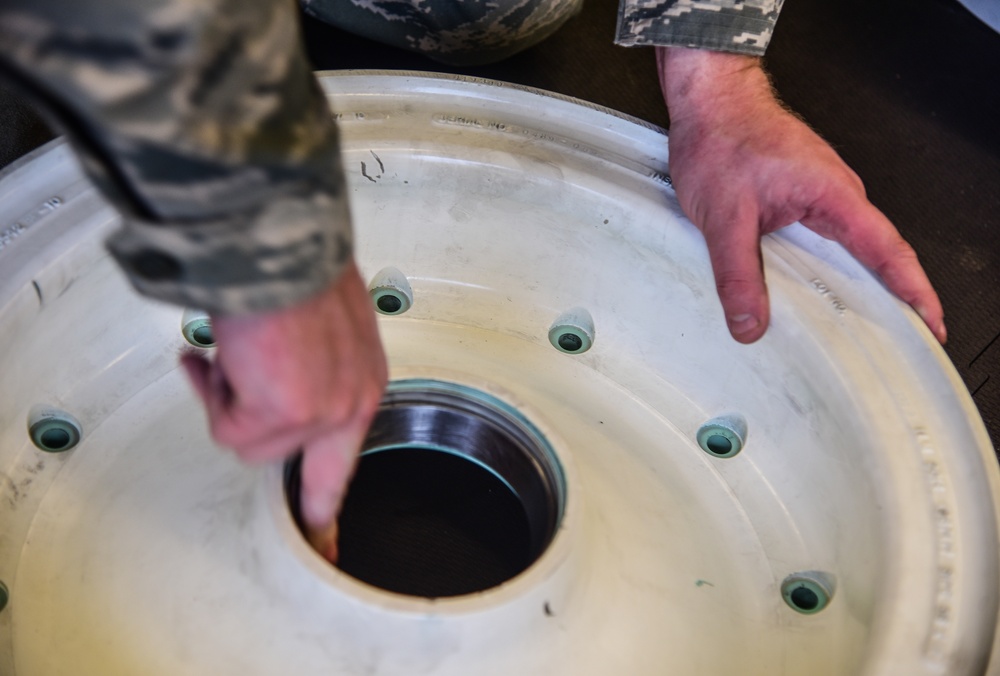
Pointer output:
455, 492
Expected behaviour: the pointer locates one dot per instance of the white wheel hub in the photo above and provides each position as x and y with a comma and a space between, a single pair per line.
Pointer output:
861, 465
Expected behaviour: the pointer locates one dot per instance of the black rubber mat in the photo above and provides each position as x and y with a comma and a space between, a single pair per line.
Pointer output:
21, 129
908, 91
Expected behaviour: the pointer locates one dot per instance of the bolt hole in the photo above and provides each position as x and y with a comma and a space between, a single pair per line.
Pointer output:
570, 342
573, 331
391, 292
805, 599
389, 304
719, 445
56, 439
53, 431
203, 336
808, 592
196, 327
723, 436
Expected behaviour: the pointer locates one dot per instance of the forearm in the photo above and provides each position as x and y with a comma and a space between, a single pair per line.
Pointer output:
203, 125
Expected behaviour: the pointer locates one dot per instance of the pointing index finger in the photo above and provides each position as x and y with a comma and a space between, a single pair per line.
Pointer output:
327, 465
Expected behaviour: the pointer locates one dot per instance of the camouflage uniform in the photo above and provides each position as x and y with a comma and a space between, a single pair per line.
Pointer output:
467, 32
202, 123
741, 26
457, 32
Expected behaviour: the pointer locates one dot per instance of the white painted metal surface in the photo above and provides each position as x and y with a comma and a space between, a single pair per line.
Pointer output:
147, 550
988, 11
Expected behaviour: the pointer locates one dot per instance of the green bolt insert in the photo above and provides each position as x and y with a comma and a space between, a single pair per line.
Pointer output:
389, 304
390, 291
197, 328
808, 592
723, 436
573, 331
54, 431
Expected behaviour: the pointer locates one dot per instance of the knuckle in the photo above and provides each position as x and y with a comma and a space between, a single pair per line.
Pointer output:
361, 401
359, 405
732, 286
341, 406
223, 434
371, 399
341, 410
855, 180
295, 413
290, 406
898, 255
218, 434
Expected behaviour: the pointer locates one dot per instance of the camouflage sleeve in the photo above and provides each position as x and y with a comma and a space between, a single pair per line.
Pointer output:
203, 124
740, 26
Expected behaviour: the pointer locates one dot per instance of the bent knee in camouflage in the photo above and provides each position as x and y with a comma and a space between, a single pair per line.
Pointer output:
458, 32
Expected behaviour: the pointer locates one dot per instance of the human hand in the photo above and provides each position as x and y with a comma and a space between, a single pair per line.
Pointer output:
307, 377
743, 166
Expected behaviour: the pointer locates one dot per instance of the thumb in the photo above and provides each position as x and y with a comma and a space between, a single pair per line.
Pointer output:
734, 249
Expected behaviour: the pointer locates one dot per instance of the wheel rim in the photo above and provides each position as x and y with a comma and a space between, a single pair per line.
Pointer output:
862, 458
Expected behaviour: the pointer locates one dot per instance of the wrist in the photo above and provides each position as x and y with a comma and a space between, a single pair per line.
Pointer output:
701, 84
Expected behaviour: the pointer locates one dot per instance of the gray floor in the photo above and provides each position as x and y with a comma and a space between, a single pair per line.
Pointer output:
908, 91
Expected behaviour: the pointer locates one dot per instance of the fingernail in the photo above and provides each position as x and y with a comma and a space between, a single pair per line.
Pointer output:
324, 540
740, 324
332, 551
317, 510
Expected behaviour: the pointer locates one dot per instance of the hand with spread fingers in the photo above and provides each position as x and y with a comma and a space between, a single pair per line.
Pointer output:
743, 166
306, 377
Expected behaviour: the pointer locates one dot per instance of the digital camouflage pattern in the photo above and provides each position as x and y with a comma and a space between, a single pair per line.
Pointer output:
467, 32
202, 123
740, 26
457, 32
